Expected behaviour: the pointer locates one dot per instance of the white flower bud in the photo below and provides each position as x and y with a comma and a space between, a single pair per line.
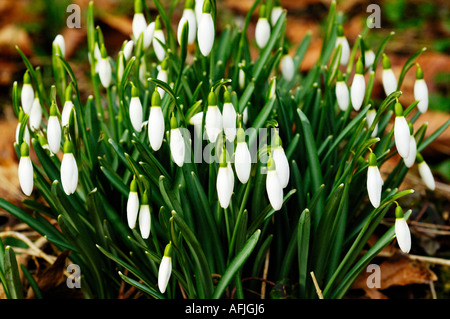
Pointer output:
357, 91
145, 220
425, 173
402, 232
262, 32
411, 158
205, 33
60, 43
189, 16
275, 14
421, 91
401, 132
229, 118
128, 50
105, 72
156, 126
138, 25
65, 115
370, 117
26, 134
345, 53
158, 34
225, 184
35, 115
25, 170
273, 186
69, 169
242, 158
287, 67
389, 81
342, 94
136, 113
54, 133
132, 205
374, 185
213, 119
165, 269
281, 165
27, 97
177, 147
149, 33
369, 58
198, 9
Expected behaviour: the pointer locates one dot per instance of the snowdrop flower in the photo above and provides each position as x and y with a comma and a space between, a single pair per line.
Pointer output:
104, 68
120, 66
225, 180
342, 93
358, 88
25, 170
165, 268
27, 94
69, 169
369, 58
189, 17
281, 162
411, 158
196, 120
374, 181
370, 117
242, 157
128, 49
213, 118
206, 30
401, 131
342, 40
276, 12
229, 117
132, 204
60, 43
26, 132
139, 23
177, 147
273, 186
199, 9
156, 127
54, 129
287, 67
421, 91
135, 110
67, 108
262, 30
158, 34
145, 219
402, 232
245, 115
163, 75
35, 114
388, 77
241, 75
425, 172
149, 33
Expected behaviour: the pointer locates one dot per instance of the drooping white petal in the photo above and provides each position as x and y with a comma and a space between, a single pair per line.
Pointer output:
357, 91
138, 25
225, 185
401, 136
156, 127
35, 115
242, 162
275, 14
403, 234
206, 33
374, 185
177, 147
369, 57
370, 117
345, 53
25, 172
389, 81
421, 95
213, 122
241, 78
60, 42
105, 72
282, 166
198, 9
262, 32
426, 175
149, 32
181, 23
189, 15
342, 95
128, 49
229, 121
27, 97
136, 113
159, 49
69, 173
274, 190
196, 120
164, 77
54, 134
165, 270
145, 221
287, 67
411, 158
26, 135
65, 115
132, 209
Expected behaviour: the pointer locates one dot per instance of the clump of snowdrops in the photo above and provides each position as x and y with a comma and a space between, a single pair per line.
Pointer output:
194, 171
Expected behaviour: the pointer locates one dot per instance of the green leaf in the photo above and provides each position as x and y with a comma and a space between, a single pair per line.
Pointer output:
13, 282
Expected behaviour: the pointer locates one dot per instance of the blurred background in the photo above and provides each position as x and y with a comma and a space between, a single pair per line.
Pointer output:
33, 24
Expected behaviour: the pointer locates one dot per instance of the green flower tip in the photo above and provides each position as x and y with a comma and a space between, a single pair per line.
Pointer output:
212, 99
134, 90
189, 4
68, 93
138, 6
158, 23
240, 135
26, 77
398, 211
227, 97
68, 147
372, 159
206, 6
144, 198
340, 76
42, 140
386, 62
359, 69
419, 158
165, 64
398, 109
24, 149
103, 51
133, 185
271, 164
173, 122
340, 30
168, 250
411, 128
262, 11
156, 99
419, 73
223, 157
53, 109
